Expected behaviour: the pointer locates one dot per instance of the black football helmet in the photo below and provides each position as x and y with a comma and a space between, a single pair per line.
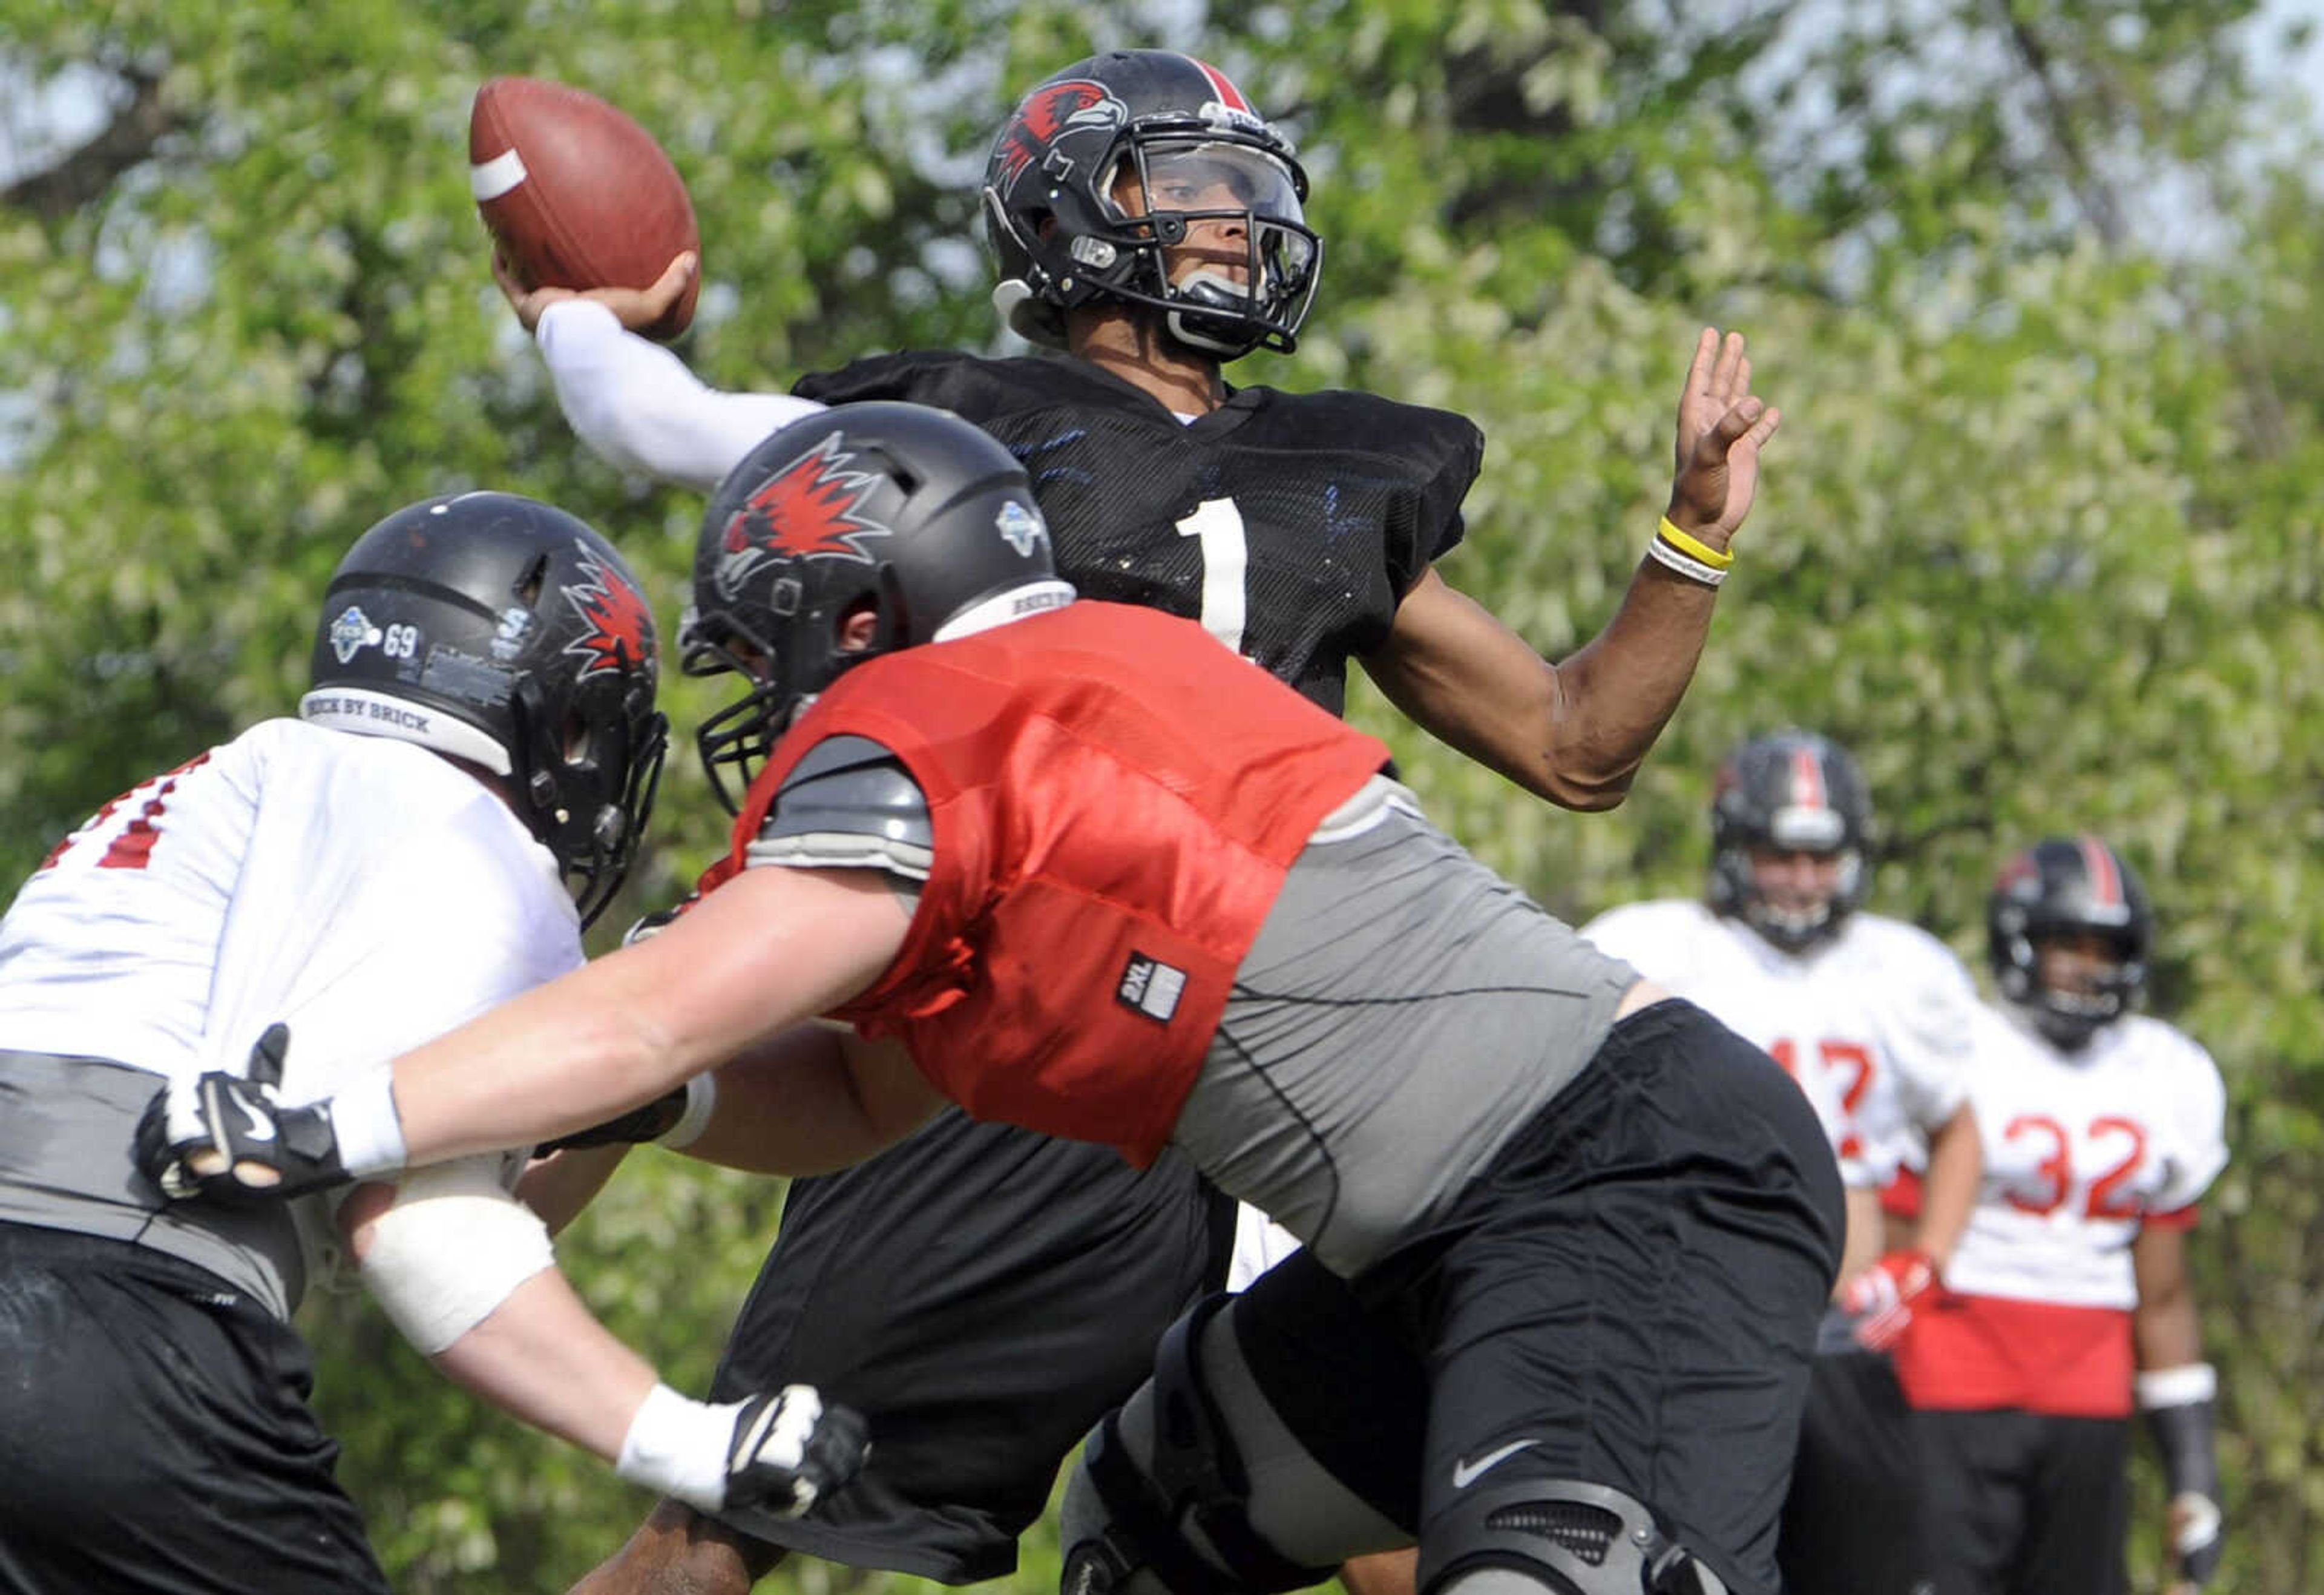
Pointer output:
507, 633
907, 511
1056, 209
1794, 791
2065, 886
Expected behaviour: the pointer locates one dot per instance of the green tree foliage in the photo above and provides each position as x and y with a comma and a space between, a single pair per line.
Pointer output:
2039, 537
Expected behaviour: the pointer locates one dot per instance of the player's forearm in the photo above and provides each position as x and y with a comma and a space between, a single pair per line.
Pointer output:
542, 1356
637, 406
1948, 1193
1620, 688
1574, 733
2166, 1329
1865, 1237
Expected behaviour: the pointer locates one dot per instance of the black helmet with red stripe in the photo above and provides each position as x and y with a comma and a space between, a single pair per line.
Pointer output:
2068, 887
1098, 173
1789, 791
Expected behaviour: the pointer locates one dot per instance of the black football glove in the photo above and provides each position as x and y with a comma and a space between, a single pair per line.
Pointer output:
228, 1137
659, 1117
791, 1450
656, 1120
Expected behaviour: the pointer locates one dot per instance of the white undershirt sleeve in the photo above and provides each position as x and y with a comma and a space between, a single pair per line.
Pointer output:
638, 409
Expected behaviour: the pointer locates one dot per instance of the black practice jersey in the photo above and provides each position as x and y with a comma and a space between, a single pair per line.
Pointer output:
1290, 525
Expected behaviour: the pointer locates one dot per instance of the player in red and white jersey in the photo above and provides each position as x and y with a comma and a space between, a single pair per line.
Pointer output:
481, 736
1071, 864
1871, 1017
2070, 1303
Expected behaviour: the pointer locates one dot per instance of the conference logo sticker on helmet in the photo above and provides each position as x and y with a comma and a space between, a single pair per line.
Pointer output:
617, 629
508, 637
810, 509
1050, 112
353, 632
1018, 527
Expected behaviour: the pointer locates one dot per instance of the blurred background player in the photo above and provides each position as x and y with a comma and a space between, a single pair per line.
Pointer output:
1872, 1016
2070, 1303
1071, 865
481, 736
1149, 227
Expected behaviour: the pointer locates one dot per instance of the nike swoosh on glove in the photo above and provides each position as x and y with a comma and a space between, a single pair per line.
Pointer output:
1881, 1299
228, 1136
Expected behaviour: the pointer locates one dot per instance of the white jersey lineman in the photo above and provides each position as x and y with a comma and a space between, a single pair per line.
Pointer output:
366, 891
1873, 1021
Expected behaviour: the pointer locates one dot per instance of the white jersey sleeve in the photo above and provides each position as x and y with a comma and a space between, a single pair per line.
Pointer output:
1661, 940
1922, 1006
638, 407
2194, 1137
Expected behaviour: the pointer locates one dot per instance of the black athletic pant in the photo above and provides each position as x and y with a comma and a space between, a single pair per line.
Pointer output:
2020, 1503
1852, 1520
983, 1294
154, 1433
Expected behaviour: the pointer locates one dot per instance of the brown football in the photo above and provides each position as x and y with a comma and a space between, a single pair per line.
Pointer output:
577, 195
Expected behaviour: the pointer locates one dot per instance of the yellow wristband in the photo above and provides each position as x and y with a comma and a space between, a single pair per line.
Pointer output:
1685, 543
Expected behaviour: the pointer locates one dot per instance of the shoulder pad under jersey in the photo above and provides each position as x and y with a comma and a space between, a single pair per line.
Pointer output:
848, 804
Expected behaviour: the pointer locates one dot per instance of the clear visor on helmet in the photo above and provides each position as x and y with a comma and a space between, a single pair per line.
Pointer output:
1228, 181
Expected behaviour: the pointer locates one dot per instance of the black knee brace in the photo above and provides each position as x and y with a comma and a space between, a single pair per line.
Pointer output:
1195, 1481
1572, 1537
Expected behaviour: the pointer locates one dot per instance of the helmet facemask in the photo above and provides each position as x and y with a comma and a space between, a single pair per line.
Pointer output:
1197, 189
585, 782
786, 673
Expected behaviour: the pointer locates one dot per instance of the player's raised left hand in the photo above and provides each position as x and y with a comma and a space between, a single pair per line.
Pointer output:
1722, 426
229, 1138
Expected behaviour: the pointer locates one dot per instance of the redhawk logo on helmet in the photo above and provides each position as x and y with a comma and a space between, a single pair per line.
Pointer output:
618, 627
1053, 108
812, 508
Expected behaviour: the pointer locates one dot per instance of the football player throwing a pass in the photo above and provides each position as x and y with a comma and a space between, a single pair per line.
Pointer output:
1149, 227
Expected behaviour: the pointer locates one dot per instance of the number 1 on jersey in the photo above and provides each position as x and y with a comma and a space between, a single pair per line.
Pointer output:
1216, 526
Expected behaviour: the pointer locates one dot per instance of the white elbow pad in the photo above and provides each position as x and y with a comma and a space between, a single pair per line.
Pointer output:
452, 1249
